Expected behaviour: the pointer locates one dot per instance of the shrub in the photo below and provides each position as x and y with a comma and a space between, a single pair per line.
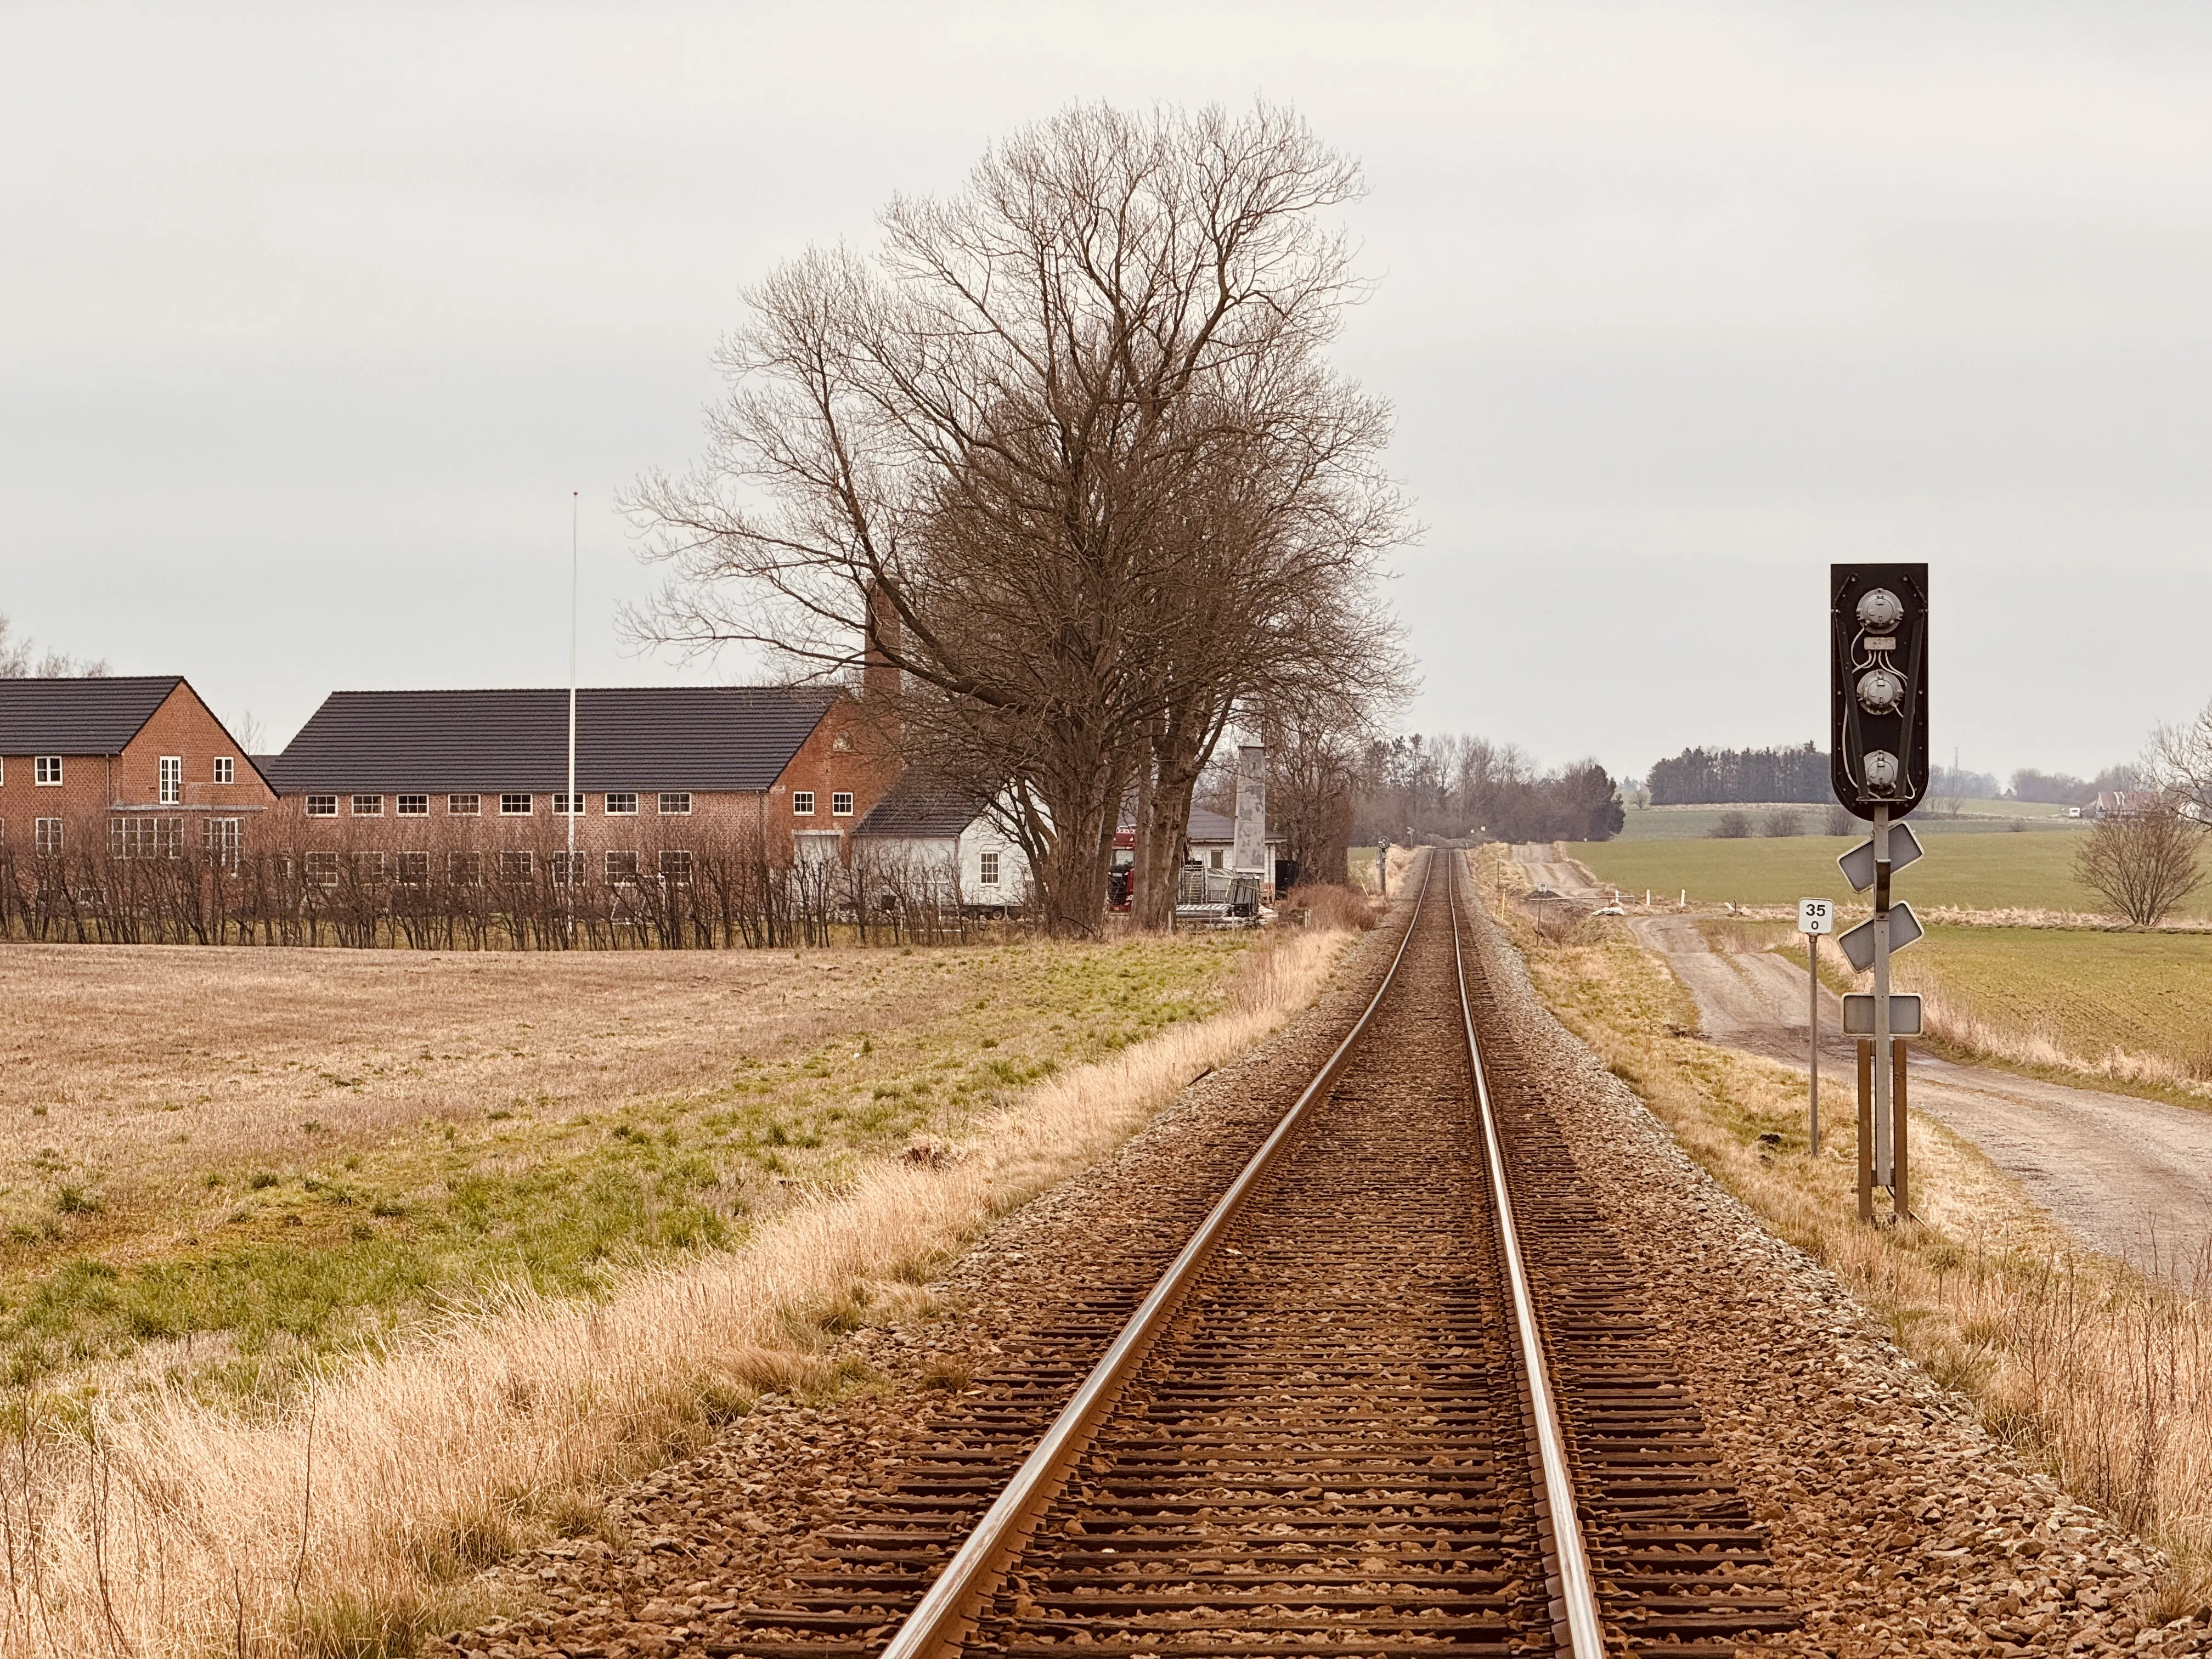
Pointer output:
1837, 820
1782, 820
1733, 826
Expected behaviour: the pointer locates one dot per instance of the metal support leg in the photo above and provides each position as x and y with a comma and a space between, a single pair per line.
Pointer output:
1866, 1130
1900, 1208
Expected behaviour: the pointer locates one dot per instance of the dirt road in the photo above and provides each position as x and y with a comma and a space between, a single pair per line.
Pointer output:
2130, 1177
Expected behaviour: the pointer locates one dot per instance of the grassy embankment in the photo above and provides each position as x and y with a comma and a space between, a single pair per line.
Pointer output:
479, 1237
2094, 1372
2070, 998
1973, 817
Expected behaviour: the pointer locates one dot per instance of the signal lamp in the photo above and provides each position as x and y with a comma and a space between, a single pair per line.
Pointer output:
1880, 690
1881, 770
1879, 610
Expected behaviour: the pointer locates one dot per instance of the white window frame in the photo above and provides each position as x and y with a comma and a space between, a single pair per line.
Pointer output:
46, 837
226, 768
354, 808
170, 790
806, 810
845, 810
421, 809
675, 864
321, 870
464, 869
621, 867
987, 867
455, 810
566, 869
403, 879
322, 806
683, 799
46, 771
515, 864
529, 804
566, 806
371, 865
223, 838
615, 810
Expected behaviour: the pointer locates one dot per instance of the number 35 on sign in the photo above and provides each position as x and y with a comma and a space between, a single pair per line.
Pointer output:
1815, 916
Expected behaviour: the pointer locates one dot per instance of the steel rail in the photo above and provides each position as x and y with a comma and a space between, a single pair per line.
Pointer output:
940, 1622
1578, 1594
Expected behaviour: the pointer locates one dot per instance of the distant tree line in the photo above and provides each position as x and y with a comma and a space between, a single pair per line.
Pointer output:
1699, 777
2057, 789
1451, 787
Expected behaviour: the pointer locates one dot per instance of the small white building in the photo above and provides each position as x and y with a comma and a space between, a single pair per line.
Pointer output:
929, 838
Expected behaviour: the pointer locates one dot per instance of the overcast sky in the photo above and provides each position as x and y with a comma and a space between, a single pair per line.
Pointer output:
311, 317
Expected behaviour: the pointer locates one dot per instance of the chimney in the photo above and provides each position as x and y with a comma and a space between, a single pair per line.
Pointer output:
879, 676
1251, 845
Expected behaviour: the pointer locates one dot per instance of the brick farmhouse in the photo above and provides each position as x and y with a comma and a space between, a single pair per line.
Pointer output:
471, 786
135, 766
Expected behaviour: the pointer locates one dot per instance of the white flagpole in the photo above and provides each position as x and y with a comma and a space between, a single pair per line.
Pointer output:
574, 518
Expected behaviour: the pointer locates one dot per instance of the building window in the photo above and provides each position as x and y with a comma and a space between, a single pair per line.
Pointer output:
675, 803
566, 869
621, 868
622, 803
412, 806
46, 836
47, 768
322, 869
988, 873
568, 806
464, 869
676, 868
322, 806
171, 787
369, 866
514, 807
226, 769
514, 866
840, 804
368, 807
223, 837
145, 838
464, 806
413, 869
802, 803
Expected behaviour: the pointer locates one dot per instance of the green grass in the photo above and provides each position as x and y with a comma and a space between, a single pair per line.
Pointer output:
1980, 872
2089, 992
294, 1263
1975, 818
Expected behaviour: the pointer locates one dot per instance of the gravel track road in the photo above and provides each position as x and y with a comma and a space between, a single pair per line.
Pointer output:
1899, 1526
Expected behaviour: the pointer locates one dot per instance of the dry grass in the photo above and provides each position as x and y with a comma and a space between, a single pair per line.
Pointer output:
2098, 1372
350, 1520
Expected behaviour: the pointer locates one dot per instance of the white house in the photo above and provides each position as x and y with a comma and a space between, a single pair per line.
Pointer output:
926, 836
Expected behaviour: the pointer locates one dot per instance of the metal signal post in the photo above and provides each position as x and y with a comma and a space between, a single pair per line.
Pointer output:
1878, 761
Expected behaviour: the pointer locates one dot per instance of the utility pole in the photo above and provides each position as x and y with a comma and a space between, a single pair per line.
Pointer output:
575, 520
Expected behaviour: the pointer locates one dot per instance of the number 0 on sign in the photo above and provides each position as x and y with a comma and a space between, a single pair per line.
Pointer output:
1815, 916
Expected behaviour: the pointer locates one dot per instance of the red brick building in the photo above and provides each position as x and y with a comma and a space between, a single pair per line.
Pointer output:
136, 765
471, 786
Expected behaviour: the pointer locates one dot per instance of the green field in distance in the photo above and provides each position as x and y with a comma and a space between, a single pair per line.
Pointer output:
1975, 872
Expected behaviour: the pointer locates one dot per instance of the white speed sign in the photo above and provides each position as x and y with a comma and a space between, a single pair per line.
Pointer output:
1815, 916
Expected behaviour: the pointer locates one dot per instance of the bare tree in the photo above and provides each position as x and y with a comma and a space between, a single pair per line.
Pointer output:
2143, 863
19, 658
1065, 453
2178, 763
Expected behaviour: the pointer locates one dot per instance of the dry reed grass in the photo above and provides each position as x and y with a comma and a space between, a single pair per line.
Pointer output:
2099, 1371
352, 1522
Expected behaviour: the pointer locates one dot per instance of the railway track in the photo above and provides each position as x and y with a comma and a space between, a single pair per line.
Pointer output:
1358, 1406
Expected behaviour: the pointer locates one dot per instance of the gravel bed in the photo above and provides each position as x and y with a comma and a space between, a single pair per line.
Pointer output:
1899, 1525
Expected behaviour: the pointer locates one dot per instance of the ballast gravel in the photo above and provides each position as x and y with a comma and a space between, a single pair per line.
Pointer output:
1899, 1525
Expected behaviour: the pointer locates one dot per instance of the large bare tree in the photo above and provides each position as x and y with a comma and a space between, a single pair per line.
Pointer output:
1065, 449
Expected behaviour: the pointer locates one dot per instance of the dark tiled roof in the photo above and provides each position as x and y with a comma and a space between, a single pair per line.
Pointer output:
702, 738
919, 804
80, 716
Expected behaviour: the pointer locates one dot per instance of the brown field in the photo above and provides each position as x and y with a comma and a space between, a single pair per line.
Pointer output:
555, 1218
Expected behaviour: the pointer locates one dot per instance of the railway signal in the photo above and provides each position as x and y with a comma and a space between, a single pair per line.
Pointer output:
1815, 916
1878, 763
